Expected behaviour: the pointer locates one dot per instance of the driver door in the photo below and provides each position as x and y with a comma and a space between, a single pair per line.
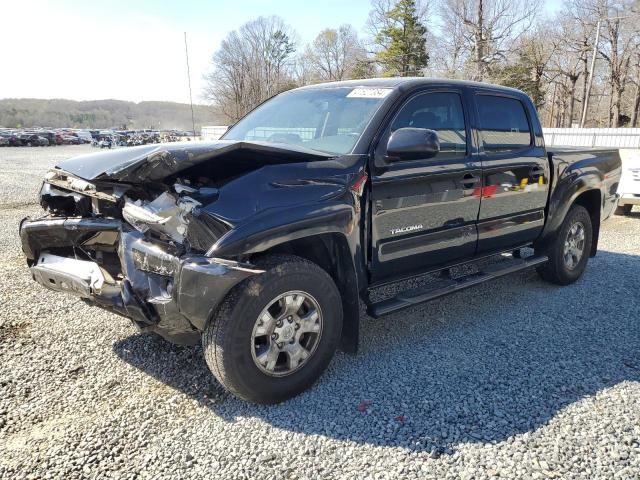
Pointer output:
424, 212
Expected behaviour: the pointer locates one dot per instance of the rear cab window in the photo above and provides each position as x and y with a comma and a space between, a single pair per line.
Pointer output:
504, 125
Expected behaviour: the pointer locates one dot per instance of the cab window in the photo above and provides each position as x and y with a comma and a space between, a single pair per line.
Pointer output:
504, 126
441, 112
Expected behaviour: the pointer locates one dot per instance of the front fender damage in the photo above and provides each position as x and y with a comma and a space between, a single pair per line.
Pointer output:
204, 282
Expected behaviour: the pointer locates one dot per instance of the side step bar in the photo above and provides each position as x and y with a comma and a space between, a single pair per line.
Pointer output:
415, 297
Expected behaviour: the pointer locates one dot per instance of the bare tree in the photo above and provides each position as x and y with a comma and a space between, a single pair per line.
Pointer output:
536, 51
527, 67
488, 28
568, 64
450, 51
379, 20
635, 80
617, 51
504, 41
303, 71
335, 53
618, 42
252, 64
576, 37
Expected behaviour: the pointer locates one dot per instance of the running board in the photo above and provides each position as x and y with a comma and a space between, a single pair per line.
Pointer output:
415, 297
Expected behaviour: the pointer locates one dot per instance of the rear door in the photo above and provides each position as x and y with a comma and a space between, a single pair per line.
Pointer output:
515, 172
424, 211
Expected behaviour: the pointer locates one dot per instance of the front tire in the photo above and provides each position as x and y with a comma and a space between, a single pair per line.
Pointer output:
569, 251
276, 332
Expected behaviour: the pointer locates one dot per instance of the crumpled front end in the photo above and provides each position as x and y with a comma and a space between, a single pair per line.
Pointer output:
138, 254
160, 234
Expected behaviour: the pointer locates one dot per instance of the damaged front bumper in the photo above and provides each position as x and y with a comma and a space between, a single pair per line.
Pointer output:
108, 264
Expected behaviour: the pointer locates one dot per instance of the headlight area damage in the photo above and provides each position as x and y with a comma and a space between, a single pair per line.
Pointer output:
153, 281
131, 232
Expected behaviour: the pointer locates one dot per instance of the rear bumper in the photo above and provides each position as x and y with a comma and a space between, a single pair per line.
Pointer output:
150, 283
629, 199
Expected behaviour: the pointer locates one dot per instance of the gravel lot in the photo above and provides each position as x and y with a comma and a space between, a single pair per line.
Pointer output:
512, 379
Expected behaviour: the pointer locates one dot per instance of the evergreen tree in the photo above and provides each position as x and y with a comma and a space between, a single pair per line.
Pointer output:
518, 75
403, 40
527, 69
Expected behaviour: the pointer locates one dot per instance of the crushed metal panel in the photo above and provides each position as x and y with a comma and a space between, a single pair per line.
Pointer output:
204, 282
78, 277
156, 162
165, 214
46, 233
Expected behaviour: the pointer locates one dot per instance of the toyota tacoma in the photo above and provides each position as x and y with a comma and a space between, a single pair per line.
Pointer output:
262, 244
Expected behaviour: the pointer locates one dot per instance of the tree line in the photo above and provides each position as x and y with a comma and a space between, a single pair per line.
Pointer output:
508, 42
56, 113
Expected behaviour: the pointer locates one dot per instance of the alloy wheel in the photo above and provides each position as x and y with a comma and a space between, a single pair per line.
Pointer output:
286, 334
574, 245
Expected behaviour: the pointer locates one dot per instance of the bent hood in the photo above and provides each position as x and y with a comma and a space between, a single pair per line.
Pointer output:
158, 161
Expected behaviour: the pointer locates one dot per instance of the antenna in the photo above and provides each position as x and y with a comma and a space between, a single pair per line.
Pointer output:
186, 52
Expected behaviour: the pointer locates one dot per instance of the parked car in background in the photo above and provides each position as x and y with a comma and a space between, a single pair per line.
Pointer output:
12, 139
84, 135
49, 135
33, 140
107, 142
629, 189
71, 140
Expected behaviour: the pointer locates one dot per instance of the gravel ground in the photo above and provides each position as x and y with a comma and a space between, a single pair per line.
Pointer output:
512, 379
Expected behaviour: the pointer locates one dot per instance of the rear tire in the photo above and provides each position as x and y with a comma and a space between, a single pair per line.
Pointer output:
570, 249
623, 209
264, 349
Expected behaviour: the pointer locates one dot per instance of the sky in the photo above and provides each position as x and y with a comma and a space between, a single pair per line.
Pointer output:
134, 49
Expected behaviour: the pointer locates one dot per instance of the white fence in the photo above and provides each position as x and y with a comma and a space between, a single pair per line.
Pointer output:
593, 137
213, 132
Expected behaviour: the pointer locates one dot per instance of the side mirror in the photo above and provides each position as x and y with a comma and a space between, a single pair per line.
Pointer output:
412, 144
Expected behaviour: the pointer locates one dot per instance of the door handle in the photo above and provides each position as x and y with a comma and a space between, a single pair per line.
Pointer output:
469, 180
456, 222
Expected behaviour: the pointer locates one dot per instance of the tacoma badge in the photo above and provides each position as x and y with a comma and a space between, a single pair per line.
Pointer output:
410, 228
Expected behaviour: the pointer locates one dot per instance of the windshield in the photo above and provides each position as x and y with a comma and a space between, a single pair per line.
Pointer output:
326, 119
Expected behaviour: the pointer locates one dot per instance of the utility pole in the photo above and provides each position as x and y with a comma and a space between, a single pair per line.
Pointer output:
585, 107
186, 52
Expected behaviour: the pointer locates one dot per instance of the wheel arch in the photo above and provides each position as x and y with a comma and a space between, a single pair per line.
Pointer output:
591, 200
579, 192
331, 252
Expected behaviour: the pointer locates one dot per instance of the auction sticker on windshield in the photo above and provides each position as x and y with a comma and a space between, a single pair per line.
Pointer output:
363, 92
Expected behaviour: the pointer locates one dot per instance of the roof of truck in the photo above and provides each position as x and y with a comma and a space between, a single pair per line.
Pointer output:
408, 82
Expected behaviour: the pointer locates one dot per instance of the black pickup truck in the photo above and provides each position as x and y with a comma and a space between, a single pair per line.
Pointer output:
262, 244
